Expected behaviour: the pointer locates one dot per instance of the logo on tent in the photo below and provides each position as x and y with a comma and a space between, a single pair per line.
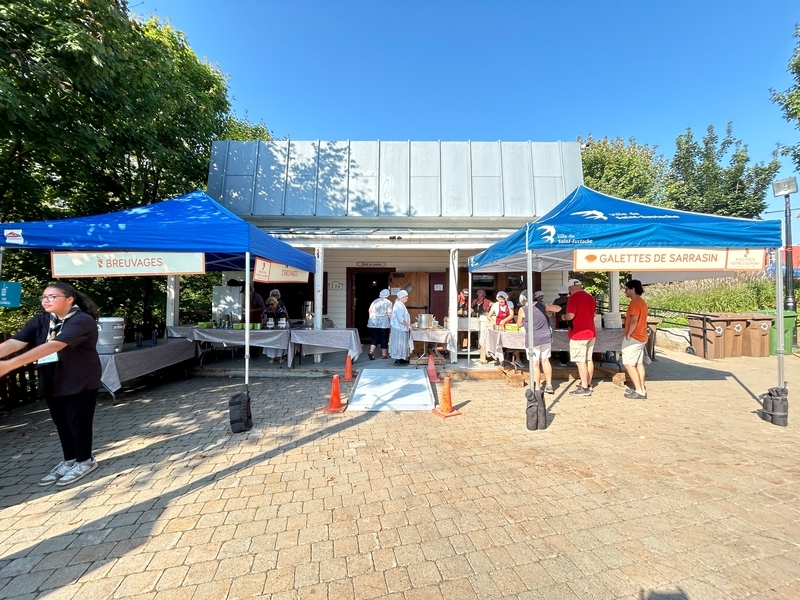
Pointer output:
549, 232
14, 236
591, 214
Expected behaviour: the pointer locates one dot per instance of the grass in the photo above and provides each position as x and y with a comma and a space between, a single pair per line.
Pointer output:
744, 292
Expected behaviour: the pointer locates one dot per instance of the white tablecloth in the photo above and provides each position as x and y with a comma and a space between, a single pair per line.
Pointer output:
179, 331
134, 362
264, 338
437, 336
496, 340
321, 341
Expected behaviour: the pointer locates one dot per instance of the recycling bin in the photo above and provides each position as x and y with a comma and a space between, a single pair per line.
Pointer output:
710, 328
755, 341
789, 323
735, 325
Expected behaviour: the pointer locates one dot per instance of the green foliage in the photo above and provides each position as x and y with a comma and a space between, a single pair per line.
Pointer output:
698, 182
632, 172
100, 111
743, 292
243, 130
789, 101
197, 294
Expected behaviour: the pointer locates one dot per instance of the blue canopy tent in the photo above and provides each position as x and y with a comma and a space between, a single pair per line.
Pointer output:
193, 222
190, 223
586, 219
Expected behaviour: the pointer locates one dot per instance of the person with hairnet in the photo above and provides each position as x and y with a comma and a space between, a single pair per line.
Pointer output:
539, 321
401, 330
379, 323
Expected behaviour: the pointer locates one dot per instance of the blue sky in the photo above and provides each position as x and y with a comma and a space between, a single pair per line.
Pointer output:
513, 70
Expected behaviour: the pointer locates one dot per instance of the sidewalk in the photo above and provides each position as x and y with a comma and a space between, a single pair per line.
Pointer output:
687, 495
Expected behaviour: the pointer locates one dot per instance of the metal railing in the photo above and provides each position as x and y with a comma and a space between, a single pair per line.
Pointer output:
17, 387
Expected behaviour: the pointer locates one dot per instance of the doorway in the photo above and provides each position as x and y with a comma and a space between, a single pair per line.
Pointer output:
365, 286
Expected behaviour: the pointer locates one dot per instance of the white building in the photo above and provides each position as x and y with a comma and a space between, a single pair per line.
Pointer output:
393, 214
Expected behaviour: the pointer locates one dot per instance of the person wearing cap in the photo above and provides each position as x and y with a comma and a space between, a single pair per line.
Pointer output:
561, 301
481, 304
542, 337
379, 323
463, 299
560, 323
401, 330
633, 345
501, 313
581, 308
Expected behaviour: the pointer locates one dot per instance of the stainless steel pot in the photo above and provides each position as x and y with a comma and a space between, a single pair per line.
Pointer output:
424, 321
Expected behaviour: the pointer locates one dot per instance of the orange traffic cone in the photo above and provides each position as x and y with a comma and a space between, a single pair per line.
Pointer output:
432, 376
348, 368
336, 400
446, 405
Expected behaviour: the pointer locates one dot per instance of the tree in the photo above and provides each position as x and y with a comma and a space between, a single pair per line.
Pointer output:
58, 63
789, 101
241, 129
632, 172
698, 181
99, 111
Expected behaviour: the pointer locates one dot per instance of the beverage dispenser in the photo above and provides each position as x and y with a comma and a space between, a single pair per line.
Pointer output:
308, 313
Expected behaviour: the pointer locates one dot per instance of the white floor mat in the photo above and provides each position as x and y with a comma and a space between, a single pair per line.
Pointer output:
382, 389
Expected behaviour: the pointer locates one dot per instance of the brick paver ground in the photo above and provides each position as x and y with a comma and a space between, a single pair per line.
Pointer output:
687, 495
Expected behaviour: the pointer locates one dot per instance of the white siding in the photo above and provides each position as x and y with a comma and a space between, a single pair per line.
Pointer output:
338, 261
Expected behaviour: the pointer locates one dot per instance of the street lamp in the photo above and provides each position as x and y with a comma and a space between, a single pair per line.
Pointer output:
784, 188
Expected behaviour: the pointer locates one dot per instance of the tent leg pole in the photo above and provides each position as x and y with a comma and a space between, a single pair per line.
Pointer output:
780, 348
247, 283
469, 317
529, 330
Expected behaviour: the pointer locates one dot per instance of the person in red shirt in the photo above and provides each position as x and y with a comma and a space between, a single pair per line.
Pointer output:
481, 304
633, 346
580, 315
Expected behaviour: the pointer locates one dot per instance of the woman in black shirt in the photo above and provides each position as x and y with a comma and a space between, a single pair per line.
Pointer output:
62, 341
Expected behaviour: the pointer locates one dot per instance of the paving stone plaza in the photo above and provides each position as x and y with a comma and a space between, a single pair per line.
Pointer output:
686, 495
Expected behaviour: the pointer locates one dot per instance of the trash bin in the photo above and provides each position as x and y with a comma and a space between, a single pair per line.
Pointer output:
712, 328
652, 326
755, 341
735, 325
789, 323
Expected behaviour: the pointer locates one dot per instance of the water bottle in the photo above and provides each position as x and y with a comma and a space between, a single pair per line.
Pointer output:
138, 339
154, 336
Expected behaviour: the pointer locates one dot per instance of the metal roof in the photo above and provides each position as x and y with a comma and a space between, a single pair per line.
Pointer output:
367, 184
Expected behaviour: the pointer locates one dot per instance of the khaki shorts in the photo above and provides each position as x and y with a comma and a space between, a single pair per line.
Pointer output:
632, 351
580, 351
538, 353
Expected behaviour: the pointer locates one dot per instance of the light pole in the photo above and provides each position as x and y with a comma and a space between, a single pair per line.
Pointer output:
784, 188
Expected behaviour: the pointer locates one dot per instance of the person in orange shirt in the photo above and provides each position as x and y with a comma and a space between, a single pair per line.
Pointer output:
633, 345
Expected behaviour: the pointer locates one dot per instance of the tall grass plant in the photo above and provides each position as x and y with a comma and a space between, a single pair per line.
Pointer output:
744, 292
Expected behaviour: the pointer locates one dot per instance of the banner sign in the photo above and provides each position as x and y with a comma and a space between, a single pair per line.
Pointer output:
10, 292
269, 272
670, 259
126, 264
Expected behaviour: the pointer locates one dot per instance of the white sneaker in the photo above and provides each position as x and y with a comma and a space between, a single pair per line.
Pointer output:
57, 472
78, 471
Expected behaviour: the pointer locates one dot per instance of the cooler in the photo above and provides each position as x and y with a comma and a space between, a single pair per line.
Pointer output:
110, 335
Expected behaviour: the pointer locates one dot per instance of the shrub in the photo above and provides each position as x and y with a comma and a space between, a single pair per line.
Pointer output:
741, 293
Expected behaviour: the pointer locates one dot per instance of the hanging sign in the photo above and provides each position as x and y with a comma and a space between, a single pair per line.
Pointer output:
670, 259
10, 292
126, 264
269, 272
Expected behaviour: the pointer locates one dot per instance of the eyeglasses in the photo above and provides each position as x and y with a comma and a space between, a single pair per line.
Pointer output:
50, 297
